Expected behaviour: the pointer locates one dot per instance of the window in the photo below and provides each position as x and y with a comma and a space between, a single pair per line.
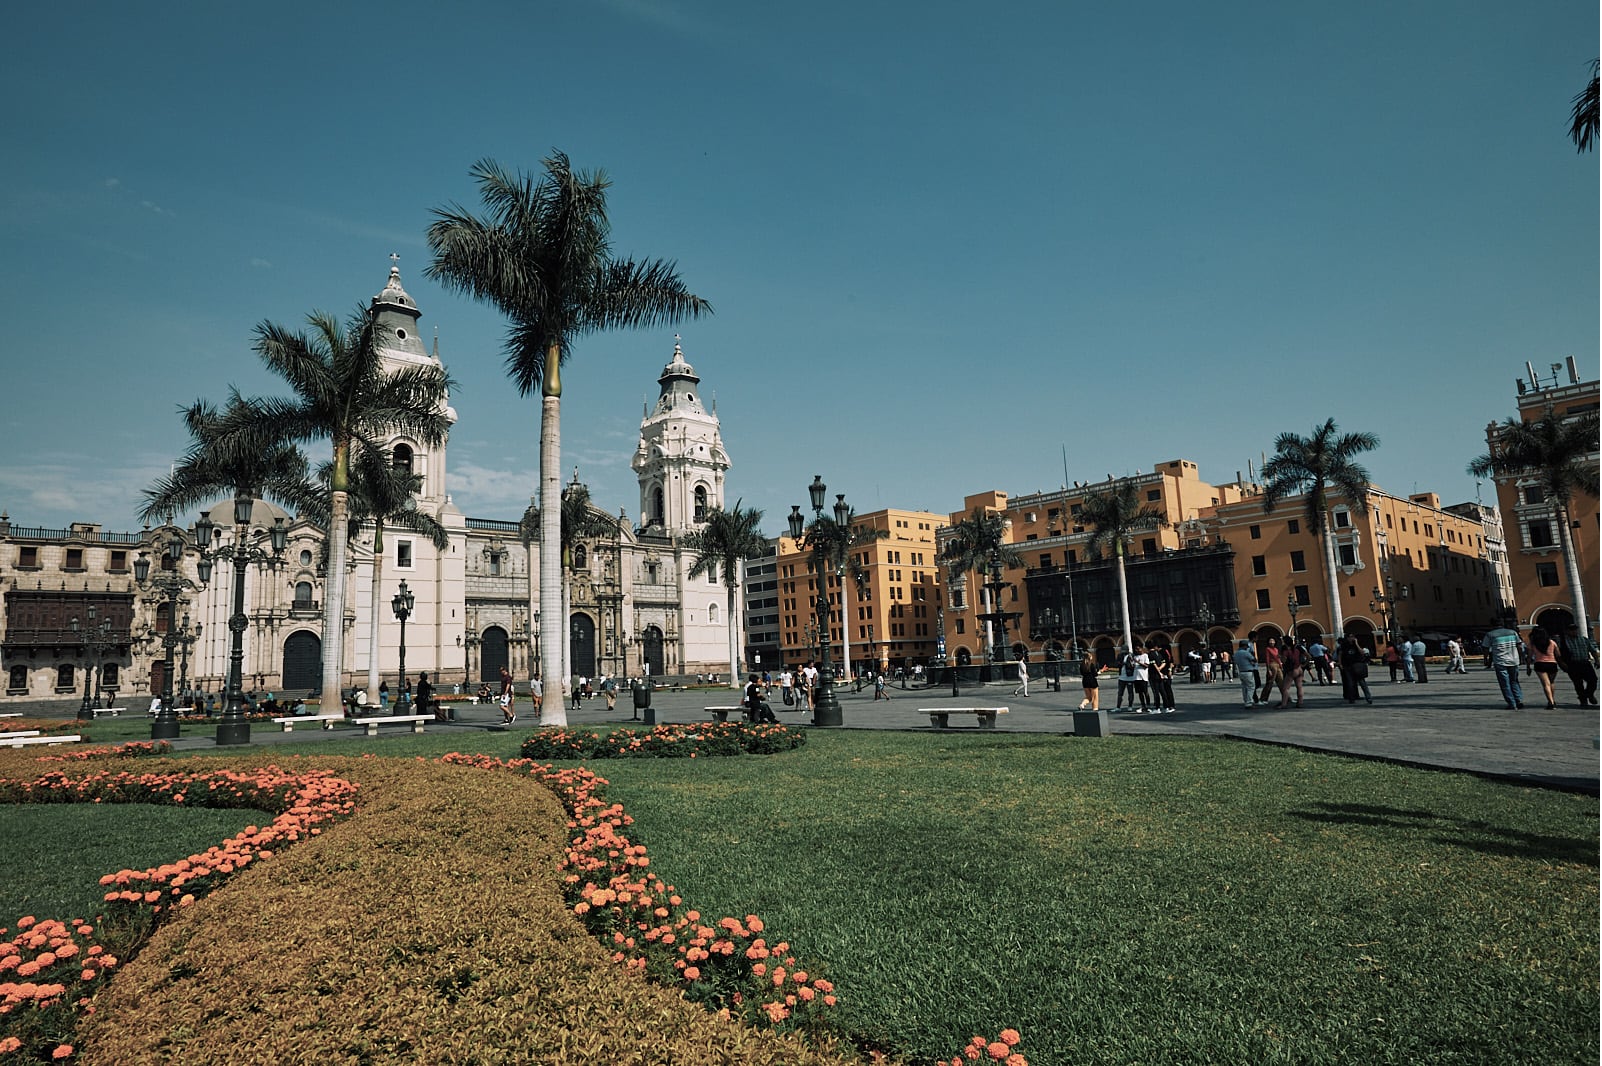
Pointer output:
581, 558
74, 559
1547, 574
1304, 596
28, 558
655, 512
1298, 561
1045, 560
1534, 494
1153, 495
1429, 530
303, 593
1257, 532
700, 503
1540, 534
1262, 600
1347, 555
403, 554
305, 558
712, 613
119, 563
402, 458
959, 625
1148, 546
66, 679
18, 680
1293, 526
1343, 519
1259, 566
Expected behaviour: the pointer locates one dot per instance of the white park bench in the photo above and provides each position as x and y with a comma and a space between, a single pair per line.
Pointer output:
372, 724
939, 716
23, 742
291, 722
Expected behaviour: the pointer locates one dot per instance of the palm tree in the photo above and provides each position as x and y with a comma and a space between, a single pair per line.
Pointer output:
343, 392
1583, 116
1114, 517
581, 520
721, 546
1558, 453
975, 543
543, 256
1313, 465
385, 495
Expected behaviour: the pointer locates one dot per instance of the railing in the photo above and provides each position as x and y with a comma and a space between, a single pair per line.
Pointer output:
494, 525
40, 533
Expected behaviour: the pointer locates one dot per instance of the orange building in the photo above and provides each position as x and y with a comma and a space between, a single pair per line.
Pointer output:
1541, 588
887, 618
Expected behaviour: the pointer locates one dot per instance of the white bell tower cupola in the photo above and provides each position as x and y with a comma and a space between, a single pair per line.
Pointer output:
680, 462
401, 347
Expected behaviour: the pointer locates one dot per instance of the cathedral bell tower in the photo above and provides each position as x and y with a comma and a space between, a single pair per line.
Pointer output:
401, 346
680, 462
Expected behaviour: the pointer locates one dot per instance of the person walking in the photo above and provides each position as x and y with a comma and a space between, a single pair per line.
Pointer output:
1503, 650
1393, 659
880, 692
1418, 651
1295, 661
1404, 652
1126, 680
1320, 656
1245, 665
1273, 670
1022, 688
536, 693
1454, 651
1354, 665
1543, 658
1578, 654
1088, 682
383, 697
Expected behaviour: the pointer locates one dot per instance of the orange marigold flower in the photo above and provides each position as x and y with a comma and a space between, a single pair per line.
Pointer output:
692, 972
998, 1050
829, 1001
62, 1052
1010, 1037
1016, 1059
972, 1053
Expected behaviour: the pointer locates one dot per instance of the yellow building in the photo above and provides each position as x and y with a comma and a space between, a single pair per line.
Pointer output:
1405, 565
1540, 580
887, 618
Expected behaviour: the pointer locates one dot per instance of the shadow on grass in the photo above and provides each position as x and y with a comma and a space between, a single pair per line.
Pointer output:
1461, 832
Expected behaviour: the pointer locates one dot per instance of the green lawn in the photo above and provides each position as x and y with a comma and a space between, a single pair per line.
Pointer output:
1133, 900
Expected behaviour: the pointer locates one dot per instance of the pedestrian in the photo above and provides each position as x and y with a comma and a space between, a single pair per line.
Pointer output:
1404, 653
1142, 678
1578, 654
1126, 680
1161, 678
508, 707
1420, 673
1274, 671
1393, 659
536, 693
576, 688
1193, 664
1502, 654
609, 690
1295, 664
1245, 666
1543, 657
785, 682
1022, 688
425, 698
1354, 665
1088, 669
879, 692
383, 697
1454, 649
1319, 654
506, 681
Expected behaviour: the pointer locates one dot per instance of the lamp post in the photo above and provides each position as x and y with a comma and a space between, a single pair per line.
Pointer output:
233, 728
1294, 608
96, 637
170, 582
184, 637
1204, 618
403, 604
821, 537
1384, 604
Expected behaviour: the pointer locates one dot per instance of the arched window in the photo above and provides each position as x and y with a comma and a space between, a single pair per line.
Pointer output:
656, 506
303, 592
580, 558
402, 457
700, 503
712, 614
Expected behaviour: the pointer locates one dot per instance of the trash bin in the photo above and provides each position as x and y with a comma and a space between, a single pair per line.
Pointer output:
642, 701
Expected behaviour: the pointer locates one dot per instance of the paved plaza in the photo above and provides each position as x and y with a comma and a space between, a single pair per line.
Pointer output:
1455, 722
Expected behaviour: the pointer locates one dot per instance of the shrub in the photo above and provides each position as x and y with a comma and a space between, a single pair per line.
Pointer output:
681, 741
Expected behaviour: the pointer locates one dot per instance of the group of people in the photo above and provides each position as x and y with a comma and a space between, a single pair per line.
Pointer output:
1542, 655
1145, 672
1286, 669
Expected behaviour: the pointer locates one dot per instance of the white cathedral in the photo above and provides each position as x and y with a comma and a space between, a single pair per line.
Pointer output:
633, 608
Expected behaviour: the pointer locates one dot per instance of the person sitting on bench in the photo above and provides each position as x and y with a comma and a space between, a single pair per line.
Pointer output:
756, 708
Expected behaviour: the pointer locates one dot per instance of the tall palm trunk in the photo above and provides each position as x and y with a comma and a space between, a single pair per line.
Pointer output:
845, 631
375, 612
334, 591
553, 667
1123, 600
1331, 585
1571, 565
734, 630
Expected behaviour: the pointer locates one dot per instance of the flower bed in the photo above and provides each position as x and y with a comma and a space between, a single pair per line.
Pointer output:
59, 960
681, 741
132, 750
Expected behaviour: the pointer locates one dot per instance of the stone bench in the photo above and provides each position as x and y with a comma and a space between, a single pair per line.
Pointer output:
112, 712
11, 714
722, 713
19, 734
22, 742
938, 716
292, 721
372, 724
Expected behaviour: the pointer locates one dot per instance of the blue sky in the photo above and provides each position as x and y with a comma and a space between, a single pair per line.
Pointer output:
943, 245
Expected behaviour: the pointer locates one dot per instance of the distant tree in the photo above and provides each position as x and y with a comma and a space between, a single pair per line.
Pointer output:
221, 462
1583, 115
974, 543
343, 393
721, 546
1313, 465
543, 256
838, 542
1558, 453
1114, 516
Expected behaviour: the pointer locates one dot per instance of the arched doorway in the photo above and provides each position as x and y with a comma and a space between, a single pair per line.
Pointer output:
493, 654
963, 657
1555, 620
651, 651
583, 630
303, 663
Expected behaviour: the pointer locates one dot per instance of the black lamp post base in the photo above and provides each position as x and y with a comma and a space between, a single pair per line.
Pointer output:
165, 727
233, 733
827, 713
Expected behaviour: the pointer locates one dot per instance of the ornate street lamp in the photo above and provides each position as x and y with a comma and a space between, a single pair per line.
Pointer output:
171, 583
1204, 618
820, 538
184, 637
234, 728
96, 638
403, 604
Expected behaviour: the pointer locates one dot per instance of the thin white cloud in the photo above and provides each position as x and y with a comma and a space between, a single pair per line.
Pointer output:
258, 261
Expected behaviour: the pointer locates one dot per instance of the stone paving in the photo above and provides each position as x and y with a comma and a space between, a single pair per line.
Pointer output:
1455, 722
